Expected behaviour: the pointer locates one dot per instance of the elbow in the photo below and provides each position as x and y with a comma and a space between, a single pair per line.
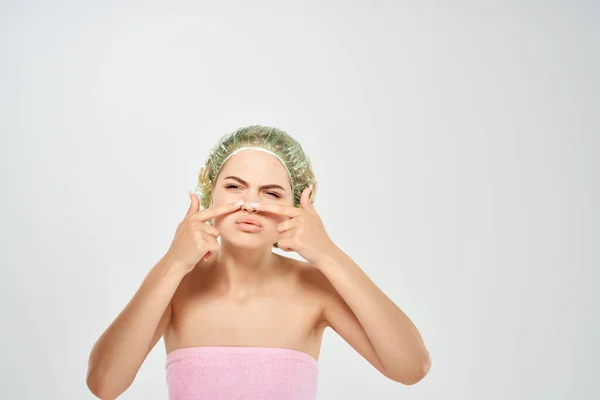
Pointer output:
415, 374
100, 389
94, 386
92, 381
102, 393
419, 373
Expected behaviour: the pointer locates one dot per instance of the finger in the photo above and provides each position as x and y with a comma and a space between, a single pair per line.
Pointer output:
211, 230
216, 211
194, 205
285, 244
280, 209
212, 249
287, 234
287, 225
305, 198
211, 243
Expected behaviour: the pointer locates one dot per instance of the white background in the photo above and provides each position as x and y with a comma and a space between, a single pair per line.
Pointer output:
454, 145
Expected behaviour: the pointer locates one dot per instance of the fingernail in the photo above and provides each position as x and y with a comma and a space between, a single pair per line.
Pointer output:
255, 205
239, 203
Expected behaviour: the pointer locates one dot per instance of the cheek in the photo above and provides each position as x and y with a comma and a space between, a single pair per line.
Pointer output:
217, 222
220, 196
223, 224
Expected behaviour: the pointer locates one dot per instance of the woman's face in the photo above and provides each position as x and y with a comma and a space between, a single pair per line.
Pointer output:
255, 177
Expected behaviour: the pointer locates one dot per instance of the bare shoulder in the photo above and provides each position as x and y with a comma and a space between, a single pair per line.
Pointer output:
331, 302
315, 285
312, 277
305, 274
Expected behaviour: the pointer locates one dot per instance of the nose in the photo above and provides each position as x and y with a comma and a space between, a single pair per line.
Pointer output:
250, 197
246, 207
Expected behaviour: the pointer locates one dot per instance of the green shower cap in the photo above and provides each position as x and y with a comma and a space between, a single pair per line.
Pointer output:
258, 137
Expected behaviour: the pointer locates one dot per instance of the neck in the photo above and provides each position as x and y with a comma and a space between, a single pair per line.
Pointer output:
243, 271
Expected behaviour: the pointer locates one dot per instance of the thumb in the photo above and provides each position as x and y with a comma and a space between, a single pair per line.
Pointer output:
194, 205
305, 198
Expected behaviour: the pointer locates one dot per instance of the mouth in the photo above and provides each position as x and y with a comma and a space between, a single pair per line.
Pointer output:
248, 221
246, 227
248, 224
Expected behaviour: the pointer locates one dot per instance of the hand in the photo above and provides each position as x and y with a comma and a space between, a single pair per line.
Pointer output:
304, 232
195, 238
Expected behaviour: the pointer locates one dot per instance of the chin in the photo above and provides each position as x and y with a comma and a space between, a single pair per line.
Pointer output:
247, 241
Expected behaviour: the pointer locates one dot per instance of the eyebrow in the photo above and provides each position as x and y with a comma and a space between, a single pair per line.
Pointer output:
243, 182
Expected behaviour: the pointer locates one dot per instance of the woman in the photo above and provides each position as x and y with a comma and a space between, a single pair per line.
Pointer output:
238, 320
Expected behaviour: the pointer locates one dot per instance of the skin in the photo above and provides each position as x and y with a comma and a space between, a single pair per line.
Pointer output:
254, 297
275, 301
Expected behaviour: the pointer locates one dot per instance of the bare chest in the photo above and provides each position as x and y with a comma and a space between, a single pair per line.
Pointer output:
284, 315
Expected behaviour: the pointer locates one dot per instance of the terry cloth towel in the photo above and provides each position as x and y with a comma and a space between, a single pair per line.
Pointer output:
237, 372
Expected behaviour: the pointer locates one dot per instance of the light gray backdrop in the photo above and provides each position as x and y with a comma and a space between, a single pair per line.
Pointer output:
454, 146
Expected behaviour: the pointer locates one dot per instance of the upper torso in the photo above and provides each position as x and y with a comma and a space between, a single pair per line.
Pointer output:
286, 312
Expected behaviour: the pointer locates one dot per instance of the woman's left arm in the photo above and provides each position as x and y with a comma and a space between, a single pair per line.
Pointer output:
358, 308
354, 307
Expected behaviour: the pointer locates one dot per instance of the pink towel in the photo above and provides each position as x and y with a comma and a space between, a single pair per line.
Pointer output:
248, 373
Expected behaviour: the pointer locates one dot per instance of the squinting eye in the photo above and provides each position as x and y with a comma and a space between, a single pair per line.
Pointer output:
232, 186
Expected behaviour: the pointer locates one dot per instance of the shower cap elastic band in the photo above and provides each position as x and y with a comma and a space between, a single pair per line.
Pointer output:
264, 138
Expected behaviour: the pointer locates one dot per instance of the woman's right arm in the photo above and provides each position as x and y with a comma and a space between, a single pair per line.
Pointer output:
120, 351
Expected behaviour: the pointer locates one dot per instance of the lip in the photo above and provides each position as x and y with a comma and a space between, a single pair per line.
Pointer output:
248, 220
249, 227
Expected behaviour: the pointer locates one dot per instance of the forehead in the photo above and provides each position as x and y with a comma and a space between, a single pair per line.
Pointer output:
256, 167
